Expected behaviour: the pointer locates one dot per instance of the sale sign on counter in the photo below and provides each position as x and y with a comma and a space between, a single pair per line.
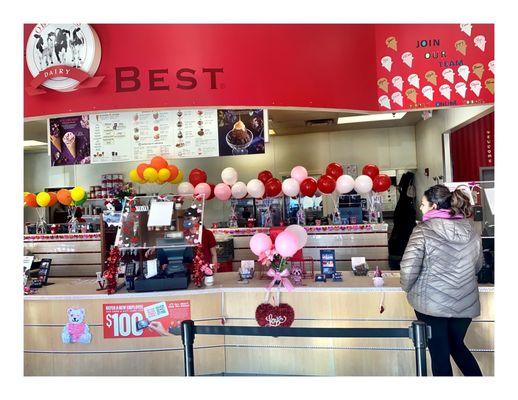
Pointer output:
149, 319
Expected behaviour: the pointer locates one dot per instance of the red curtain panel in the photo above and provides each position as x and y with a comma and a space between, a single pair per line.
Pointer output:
473, 147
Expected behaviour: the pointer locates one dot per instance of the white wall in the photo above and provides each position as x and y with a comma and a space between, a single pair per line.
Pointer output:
428, 135
389, 148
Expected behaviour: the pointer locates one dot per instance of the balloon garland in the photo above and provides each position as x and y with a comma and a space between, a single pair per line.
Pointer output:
158, 171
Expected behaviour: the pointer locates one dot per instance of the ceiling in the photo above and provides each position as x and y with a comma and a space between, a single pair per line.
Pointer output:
284, 122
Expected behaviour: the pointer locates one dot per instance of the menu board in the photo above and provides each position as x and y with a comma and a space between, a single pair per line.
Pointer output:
195, 133
173, 134
110, 137
151, 134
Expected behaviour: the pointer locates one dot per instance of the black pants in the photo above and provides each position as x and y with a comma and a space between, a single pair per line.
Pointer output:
448, 340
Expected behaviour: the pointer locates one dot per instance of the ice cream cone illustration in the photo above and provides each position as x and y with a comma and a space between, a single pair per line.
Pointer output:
70, 141
407, 58
466, 28
397, 98
490, 85
463, 71
391, 42
478, 70
397, 81
384, 101
491, 66
460, 46
386, 62
448, 75
475, 87
413, 79
461, 88
445, 91
431, 77
411, 94
480, 42
428, 92
383, 84
56, 141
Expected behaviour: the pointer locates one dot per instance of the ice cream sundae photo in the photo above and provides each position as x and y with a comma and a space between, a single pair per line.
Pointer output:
239, 138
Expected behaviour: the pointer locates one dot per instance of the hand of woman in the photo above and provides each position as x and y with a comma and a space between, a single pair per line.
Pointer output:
158, 328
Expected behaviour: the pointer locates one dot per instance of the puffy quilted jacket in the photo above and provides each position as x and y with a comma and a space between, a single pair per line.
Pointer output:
439, 267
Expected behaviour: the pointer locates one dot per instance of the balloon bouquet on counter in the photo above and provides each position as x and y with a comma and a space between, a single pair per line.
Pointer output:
39, 201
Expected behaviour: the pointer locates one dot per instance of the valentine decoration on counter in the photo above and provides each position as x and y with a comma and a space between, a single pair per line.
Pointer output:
300, 233
76, 330
208, 271
111, 270
198, 264
286, 243
281, 315
259, 243
377, 280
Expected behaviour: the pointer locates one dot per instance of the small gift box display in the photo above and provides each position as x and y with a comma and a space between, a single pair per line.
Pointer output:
359, 266
208, 271
246, 270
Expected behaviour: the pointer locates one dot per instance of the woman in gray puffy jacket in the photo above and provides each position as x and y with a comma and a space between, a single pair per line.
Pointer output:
439, 273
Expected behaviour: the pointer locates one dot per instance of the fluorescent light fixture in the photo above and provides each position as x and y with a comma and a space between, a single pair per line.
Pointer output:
371, 117
271, 132
33, 143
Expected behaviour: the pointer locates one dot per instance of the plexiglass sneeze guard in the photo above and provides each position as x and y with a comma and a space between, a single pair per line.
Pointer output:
161, 221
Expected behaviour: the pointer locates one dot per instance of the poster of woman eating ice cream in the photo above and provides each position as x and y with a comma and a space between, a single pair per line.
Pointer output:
69, 140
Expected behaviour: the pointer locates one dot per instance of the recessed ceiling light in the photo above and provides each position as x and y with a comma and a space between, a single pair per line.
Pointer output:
271, 132
371, 117
33, 143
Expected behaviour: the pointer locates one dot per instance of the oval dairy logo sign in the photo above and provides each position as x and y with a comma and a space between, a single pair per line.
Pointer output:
63, 57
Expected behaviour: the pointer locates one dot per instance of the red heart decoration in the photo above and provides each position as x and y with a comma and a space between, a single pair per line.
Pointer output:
274, 316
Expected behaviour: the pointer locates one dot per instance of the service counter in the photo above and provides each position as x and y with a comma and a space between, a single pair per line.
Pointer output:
72, 254
351, 303
361, 240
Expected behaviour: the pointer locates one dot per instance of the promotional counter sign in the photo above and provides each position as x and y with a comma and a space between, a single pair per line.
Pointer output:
148, 319
62, 57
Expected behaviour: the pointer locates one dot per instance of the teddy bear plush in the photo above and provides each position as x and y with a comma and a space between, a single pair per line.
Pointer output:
76, 330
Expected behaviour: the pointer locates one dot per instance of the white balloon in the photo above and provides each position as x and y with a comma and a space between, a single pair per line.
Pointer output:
229, 176
239, 190
363, 184
290, 187
300, 232
185, 188
345, 184
255, 188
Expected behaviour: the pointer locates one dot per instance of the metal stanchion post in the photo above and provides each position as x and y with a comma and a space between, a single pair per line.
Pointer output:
419, 336
188, 341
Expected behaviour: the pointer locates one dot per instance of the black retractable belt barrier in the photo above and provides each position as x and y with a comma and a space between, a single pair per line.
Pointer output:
418, 332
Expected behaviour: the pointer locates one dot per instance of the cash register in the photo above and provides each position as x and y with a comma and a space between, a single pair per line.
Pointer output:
170, 250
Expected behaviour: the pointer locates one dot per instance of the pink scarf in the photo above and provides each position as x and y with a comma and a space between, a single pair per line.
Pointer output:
443, 213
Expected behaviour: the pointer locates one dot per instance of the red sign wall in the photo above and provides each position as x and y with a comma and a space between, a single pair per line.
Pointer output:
318, 66
122, 321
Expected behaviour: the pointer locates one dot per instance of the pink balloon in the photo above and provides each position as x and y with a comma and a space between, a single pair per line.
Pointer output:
299, 173
259, 243
300, 233
222, 192
202, 188
290, 187
286, 244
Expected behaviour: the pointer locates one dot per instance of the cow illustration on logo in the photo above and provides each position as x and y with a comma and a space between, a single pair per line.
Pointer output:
62, 57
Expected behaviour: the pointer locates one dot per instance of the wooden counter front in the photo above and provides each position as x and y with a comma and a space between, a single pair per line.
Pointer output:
352, 303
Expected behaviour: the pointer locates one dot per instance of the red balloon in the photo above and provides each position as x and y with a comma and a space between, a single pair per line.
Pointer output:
211, 196
371, 170
273, 187
308, 187
264, 176
334, 170
197, 176
326, 184
381, 183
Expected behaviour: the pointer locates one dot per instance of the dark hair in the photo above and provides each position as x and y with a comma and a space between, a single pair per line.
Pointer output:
456, 201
